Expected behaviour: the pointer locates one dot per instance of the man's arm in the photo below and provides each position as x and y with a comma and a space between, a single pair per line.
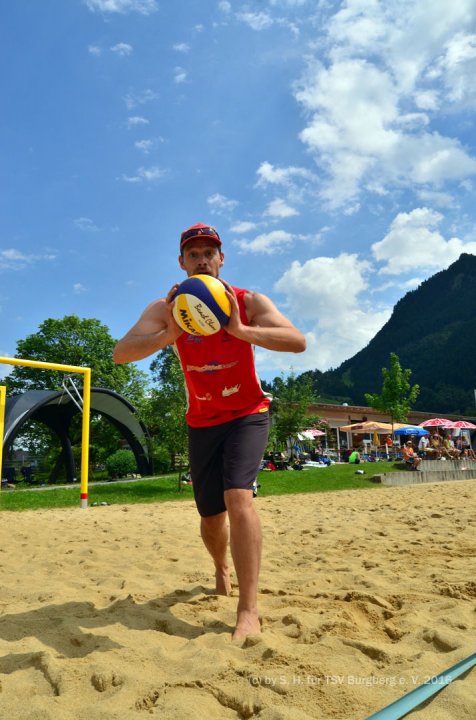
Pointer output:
268, 327
155, 329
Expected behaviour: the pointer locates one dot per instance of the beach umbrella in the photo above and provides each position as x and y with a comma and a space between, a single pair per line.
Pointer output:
464, 424
435, 422
368, 427
310, 434
416, 431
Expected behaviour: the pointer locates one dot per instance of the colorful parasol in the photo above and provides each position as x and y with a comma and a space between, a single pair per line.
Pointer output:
461, 424
435, 422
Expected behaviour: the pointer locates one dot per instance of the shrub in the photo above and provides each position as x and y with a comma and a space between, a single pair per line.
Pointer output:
161, 459
121, 463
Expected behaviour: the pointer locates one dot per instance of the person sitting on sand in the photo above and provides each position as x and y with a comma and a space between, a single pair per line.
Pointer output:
410, 457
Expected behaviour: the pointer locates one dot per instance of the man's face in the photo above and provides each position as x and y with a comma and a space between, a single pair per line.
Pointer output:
201, 256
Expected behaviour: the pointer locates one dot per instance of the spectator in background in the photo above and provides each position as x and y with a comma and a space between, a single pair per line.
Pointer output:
436, 445
451, 450
410, 457
354, 457
423, 445
467, 449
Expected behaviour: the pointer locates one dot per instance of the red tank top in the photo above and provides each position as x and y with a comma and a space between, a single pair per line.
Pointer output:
220, 376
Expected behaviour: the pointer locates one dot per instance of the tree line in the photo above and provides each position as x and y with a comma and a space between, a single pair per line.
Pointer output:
159, 397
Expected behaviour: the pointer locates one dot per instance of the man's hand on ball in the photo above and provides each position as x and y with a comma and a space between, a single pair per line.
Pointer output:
173, 330
234, 324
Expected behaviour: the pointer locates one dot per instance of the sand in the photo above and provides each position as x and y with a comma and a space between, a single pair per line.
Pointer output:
108, 612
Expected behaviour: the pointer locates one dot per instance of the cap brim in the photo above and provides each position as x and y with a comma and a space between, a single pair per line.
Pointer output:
213, 239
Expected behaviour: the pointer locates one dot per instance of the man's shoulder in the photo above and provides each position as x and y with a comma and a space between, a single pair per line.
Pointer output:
157, 305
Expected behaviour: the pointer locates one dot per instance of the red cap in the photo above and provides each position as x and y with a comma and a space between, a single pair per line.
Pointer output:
199, 231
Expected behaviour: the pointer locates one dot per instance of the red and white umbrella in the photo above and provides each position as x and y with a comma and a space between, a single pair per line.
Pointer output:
311, 433
435, 422
461, 424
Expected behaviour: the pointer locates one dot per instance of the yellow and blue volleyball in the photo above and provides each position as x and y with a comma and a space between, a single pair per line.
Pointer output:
201, 305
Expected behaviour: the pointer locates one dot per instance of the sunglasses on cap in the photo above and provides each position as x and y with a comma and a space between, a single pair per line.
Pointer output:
199, 232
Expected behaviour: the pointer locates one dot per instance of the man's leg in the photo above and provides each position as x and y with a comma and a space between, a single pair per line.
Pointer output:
245, 542
214, 531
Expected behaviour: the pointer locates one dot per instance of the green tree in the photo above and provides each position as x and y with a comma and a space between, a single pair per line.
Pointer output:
289, 410
164, 411
397, 396
77, 341
74, 341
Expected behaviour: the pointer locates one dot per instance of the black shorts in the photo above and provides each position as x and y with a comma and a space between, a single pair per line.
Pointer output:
225, 457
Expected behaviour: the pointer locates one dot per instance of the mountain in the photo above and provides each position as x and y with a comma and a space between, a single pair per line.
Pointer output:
433, 331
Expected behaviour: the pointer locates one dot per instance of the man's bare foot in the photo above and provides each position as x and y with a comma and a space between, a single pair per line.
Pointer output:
223, 583
247, 623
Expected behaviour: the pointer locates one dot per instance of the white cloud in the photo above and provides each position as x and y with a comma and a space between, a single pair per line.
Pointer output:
433, 197
224, 6
459, 67
85, 224
144, 146
78, 288
243, 227
122, 49
268, 174
144, 7
257, 21
94, 50
143, 174
280, 209
426, 99
133, 99
267, 243
414, 242
181, 47
180, 75
361, 26
332, 295
370, 102
352, 209
402, 285
220, 204
137, 120
12, 259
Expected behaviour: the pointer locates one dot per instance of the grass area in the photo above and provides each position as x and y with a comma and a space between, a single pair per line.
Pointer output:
335, 477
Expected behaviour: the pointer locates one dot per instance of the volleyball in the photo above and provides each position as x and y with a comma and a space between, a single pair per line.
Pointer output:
201, 305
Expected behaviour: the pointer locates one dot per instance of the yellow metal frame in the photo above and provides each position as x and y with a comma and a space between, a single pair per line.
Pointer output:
3, 395
86, 372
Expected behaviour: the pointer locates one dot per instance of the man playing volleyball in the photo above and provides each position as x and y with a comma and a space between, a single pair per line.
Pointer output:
227, 414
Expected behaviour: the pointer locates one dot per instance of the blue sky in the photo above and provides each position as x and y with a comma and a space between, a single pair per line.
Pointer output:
332, 144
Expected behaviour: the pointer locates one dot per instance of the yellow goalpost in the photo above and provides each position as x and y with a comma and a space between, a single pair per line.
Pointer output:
86, 372
3, 394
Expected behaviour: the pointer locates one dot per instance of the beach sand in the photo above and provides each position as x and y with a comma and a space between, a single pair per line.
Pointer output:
109, 613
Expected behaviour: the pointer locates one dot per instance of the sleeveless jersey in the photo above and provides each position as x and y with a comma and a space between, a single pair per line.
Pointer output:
220, 376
